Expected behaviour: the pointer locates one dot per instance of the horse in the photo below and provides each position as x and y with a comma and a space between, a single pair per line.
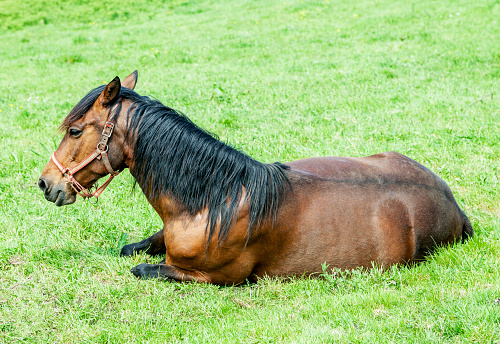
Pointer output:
228, 218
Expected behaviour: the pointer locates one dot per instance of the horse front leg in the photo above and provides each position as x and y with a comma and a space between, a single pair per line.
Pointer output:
153, 245
168, 272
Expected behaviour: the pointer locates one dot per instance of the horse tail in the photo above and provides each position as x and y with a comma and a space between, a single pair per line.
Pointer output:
467, 231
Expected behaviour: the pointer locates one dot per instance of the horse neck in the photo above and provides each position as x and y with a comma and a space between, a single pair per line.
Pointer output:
181, 168
126, 146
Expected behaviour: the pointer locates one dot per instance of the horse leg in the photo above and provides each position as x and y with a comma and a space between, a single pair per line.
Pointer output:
168, 272
153, 245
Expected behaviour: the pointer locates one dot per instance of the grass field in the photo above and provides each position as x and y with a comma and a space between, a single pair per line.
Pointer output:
280, 80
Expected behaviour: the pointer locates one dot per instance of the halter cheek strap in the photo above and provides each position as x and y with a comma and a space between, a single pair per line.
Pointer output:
101, 153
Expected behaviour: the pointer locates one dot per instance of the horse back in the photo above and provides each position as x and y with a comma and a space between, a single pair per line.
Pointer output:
388, 167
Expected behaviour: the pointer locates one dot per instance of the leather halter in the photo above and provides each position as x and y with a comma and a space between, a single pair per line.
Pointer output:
101, 153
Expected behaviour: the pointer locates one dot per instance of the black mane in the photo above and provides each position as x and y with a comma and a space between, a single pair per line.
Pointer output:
176, 158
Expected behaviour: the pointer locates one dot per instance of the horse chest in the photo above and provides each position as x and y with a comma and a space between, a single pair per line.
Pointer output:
184, 238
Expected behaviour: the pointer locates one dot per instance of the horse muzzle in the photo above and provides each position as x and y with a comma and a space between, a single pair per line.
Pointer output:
60, 194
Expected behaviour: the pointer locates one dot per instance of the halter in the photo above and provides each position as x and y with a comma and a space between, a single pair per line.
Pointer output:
101, 153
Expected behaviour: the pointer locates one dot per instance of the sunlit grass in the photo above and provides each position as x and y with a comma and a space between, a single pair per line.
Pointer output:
281, 80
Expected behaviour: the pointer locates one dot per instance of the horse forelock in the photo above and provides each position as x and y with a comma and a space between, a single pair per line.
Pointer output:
85, 104
81, 108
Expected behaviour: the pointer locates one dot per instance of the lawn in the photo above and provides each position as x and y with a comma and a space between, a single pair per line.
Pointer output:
280, 80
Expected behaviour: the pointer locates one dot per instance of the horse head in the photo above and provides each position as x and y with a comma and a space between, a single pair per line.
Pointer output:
91, 147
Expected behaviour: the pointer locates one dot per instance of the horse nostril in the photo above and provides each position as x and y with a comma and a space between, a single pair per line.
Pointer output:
42, 184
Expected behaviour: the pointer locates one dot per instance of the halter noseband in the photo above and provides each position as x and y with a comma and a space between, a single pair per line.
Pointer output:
100, 154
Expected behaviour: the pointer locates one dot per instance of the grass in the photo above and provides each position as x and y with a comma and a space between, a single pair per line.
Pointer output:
281, 80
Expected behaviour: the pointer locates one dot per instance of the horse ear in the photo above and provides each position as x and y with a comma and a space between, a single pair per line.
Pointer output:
110, 93
131, 80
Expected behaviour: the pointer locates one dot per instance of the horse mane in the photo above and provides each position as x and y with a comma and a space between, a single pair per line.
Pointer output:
174, 157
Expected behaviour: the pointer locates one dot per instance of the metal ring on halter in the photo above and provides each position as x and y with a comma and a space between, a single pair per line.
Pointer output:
102, 150
88, 199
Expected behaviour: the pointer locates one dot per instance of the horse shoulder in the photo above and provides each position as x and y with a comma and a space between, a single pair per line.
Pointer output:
186, 247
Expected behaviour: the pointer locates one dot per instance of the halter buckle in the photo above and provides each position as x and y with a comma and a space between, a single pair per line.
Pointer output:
108, 129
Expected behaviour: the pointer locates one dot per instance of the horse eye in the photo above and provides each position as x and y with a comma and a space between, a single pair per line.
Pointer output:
75, 132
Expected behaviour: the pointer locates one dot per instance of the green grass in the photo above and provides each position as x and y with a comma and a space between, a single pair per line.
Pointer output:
281, 80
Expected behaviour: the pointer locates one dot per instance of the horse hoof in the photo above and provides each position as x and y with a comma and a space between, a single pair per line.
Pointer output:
145, 271
135, 271
127, 250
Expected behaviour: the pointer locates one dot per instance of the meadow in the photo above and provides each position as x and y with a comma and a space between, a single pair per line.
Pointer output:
279, 80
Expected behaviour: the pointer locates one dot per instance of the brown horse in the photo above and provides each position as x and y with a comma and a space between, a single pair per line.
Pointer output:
227, 217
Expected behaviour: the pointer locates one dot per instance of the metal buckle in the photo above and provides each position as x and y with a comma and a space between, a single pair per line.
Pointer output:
108, 129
